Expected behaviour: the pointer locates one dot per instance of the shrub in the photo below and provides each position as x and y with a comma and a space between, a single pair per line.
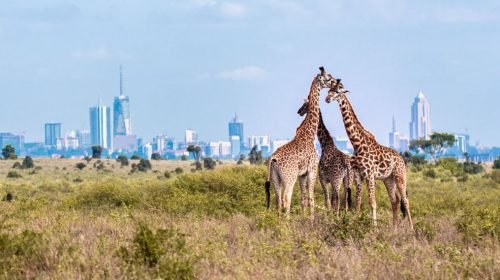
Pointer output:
28, 162
430, 173
179, 170
184, 157
123, 160
96, 151
155, 156
209, 163
450, 164
473, 168
167, 174
416, 160
17, 165
198, 165
108, 194
164, 250
477, 223
425, 230
13, 174
18, 250
135, 157
143, 166
81, 165
347, 227
496, 163
495, 176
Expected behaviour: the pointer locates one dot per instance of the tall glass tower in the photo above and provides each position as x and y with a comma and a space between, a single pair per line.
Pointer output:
100, 126
121, 112
236, 129
420, 125
52, 133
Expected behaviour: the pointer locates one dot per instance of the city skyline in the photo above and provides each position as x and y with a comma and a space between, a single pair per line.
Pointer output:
191, 64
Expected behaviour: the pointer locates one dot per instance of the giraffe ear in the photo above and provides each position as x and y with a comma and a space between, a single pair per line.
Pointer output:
305, 100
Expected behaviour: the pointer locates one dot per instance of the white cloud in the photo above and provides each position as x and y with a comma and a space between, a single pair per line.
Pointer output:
251, 72
233, 10
100, 53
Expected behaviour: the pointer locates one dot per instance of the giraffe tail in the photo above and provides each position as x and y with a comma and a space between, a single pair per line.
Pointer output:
402, 206
349, 197
268, 193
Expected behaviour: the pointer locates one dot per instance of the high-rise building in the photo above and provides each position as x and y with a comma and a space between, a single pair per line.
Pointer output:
100, 126
236, 129
461, 143
235, 146
258, 141
121, 112
84, 139
147, 150
52, 133
16, 141
420, 125
394, 136
190, 137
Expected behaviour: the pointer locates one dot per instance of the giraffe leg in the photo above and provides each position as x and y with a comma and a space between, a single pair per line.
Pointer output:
401, 184
311, 183
336, 182
390, 185
371, 193
324, 185
348, 178
359, 187
303, 191
275, 179
287, 199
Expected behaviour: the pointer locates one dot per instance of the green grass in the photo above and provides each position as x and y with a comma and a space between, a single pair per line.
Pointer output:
65, 223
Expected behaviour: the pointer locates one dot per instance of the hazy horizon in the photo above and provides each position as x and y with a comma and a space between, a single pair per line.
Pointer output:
193, 64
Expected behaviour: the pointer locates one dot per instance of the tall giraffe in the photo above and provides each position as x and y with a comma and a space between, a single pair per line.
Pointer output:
334, 166
372, 160
298, 157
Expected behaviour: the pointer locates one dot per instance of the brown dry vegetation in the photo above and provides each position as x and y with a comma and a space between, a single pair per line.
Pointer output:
65, 223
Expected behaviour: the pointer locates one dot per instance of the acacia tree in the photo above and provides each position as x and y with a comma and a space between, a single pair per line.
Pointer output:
435, 145
96, 151
195, 151
255, 157
9, 152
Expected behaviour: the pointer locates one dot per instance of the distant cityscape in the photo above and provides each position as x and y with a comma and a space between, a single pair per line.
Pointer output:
115, 135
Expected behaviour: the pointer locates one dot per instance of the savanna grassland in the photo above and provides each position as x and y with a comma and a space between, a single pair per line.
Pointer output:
105, 222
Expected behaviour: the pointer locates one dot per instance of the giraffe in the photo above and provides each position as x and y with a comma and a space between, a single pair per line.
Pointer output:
298, 157
372, 160
334, 166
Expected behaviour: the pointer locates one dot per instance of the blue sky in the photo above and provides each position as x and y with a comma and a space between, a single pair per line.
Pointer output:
194, 63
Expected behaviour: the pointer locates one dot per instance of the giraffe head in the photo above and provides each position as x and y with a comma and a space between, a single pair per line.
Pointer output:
336, 92
324, 79
304, 109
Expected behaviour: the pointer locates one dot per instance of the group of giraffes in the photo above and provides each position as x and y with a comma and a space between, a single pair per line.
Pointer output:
370, 160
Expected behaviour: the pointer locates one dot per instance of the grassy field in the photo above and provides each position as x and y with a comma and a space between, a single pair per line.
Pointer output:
59, 222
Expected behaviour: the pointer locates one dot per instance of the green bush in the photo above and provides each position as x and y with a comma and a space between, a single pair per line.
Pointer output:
477, 223
108, 194
164, 250
496, 163
167, 174
347, 227
179, 170
13, 174
425, 230
18, 250
209, 163
430, 173
123, 160
450, 164
28, 162
473, 168
135, 157
81, 165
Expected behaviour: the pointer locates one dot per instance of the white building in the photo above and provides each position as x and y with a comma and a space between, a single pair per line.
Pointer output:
147, 150
394, 136
235, 146
420, 125
190, 137
258, 141
461, 143
224, 148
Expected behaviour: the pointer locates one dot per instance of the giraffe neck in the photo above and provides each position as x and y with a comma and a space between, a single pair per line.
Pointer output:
355, 131
309, 126
324, 137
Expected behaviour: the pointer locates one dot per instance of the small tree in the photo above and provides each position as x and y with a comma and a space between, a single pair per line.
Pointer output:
496, 163
435, 145
156, 156
96, 151
195, 151
179, 170
255, 157
135, 157
184, 157
9, 152
28, 162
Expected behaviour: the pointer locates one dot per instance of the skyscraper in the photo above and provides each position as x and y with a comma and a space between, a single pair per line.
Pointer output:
394, 136
121, 112
52, 133
236, 129
16, 141
100, 126
420, 125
